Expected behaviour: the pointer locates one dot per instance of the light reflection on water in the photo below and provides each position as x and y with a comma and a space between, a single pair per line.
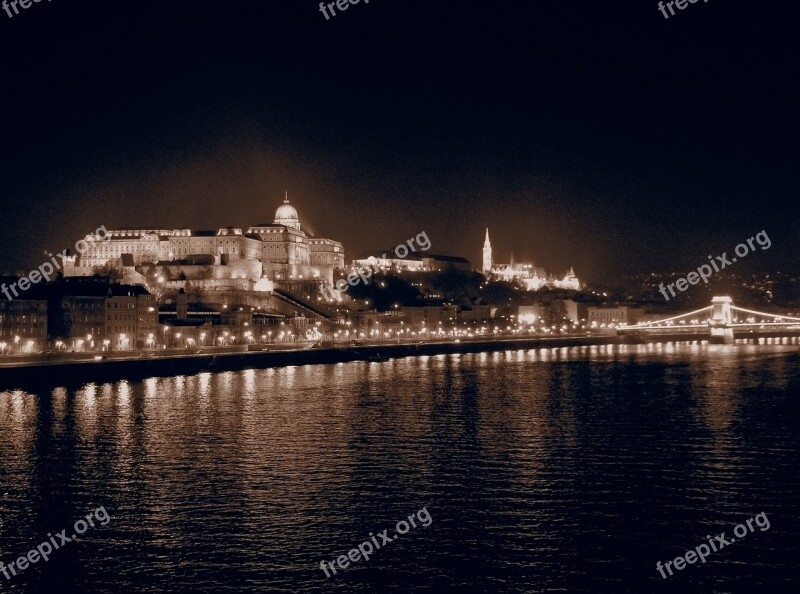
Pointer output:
570, 468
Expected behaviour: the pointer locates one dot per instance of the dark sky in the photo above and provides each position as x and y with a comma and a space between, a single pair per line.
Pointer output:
593, 134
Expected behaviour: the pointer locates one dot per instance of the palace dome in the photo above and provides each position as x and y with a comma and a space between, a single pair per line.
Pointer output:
287, 215
286, 211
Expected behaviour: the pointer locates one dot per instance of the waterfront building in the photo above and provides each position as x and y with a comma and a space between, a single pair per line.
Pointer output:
131, 317
477, 314
238, 321
528, 314
23, 325
575, 311
411, 321
599, 317
570, 309
79, 317
92, 314
429, 315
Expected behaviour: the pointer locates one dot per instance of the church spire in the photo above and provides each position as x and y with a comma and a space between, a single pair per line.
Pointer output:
487, 254
286, 197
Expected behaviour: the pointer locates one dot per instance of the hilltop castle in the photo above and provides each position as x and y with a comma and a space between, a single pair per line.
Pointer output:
279, 251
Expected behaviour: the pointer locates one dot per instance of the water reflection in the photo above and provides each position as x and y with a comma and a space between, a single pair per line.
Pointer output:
528, 460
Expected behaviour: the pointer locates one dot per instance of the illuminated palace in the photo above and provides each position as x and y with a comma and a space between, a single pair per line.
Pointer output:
531, 276
256, 257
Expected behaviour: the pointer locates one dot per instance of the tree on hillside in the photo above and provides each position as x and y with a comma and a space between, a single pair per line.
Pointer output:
111, 269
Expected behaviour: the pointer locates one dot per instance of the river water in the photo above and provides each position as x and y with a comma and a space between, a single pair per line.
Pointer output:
552, 470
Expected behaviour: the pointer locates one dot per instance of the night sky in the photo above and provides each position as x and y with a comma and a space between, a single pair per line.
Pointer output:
593, 134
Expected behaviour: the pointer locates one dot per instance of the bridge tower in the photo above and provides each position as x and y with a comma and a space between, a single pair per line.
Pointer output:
721, 320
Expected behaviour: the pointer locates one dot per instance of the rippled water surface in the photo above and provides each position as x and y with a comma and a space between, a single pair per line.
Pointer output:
557, 470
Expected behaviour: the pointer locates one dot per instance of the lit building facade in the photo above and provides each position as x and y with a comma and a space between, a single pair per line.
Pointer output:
23, 325
531, 276
384, 263
275, 252
93, 315
602, 317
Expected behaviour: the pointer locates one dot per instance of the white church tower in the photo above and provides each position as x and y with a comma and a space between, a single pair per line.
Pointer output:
487, 254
